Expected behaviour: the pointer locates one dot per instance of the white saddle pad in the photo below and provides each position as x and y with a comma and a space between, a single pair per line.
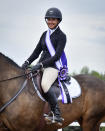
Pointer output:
73, 88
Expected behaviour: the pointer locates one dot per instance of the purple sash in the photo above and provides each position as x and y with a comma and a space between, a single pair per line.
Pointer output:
63, 60
60, 64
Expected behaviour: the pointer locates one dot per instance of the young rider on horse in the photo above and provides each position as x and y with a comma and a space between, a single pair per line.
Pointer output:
47, 61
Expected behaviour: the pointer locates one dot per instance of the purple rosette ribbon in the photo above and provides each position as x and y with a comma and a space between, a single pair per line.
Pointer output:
62, 73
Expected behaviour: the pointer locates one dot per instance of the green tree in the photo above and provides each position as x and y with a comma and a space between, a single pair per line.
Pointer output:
98, 75
84, 70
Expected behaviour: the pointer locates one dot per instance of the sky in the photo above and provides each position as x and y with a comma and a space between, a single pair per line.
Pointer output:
22, 24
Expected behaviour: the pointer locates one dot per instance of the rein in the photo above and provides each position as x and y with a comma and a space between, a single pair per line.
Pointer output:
13, 98
20, 90
18, 76
13, 78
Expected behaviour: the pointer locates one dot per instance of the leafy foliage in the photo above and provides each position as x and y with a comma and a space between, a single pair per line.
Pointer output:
72, 128
78, 128
86, 70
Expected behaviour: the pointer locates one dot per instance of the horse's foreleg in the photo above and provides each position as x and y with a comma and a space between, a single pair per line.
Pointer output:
90, 126
3, 127
97, 128
80, 122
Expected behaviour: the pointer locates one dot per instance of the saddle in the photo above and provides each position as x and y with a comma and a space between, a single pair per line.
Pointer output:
37, 81
55, 85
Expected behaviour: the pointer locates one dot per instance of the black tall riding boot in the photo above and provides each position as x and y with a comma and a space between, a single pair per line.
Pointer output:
53, 102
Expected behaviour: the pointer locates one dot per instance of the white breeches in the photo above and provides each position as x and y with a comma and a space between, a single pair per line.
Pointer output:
49, 76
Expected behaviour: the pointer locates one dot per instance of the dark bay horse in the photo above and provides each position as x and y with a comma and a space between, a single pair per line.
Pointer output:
26, 111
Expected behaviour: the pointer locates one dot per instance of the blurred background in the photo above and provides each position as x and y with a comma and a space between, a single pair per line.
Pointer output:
22, 23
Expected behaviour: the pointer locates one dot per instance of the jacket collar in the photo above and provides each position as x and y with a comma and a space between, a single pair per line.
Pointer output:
56, 31
52, 30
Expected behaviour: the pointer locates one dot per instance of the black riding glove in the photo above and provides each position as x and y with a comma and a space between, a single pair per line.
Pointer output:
37, 67
25, 65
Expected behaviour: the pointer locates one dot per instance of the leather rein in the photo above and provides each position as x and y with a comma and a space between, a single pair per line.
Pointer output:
14, 77
20, 90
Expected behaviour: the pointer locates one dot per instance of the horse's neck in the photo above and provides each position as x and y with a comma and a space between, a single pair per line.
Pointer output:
7, 70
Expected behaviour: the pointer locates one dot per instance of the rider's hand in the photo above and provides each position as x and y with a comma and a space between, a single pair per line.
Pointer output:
25, 65
37, 67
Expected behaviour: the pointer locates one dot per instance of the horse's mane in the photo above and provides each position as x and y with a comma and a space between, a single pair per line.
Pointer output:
9, 60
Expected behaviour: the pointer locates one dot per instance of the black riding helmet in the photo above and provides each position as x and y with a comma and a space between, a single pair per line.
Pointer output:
53, 13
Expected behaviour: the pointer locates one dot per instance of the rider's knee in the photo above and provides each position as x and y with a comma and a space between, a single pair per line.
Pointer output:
45, 86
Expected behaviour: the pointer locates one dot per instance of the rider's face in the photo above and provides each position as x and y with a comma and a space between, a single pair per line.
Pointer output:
52, 22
